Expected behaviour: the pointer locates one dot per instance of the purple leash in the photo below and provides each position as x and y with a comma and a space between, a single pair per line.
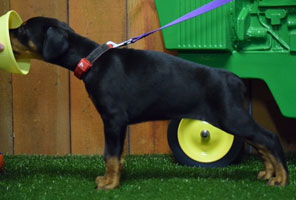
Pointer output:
85, 64
199, 11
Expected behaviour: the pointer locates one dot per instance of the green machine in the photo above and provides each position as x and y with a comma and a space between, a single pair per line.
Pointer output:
252, 38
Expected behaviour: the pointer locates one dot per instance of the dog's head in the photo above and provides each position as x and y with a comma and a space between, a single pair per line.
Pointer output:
39, 37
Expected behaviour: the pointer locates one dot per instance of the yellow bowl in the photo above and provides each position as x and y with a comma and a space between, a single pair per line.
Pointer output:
11, 20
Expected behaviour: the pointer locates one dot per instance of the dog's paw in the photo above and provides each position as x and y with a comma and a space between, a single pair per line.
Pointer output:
106, 183
278, 181
264, 175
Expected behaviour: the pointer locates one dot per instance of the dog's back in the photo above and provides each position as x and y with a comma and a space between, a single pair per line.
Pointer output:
169, 87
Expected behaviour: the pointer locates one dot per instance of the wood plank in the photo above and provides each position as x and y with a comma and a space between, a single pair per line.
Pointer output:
6, 132
267, 113
101, 21
41, 99
149, 137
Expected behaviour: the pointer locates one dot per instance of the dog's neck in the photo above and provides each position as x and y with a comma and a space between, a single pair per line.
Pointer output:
79, 48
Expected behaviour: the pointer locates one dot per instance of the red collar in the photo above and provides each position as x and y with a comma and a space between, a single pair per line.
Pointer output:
85, 64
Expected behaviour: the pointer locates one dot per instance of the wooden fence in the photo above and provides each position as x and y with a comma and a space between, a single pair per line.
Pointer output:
49, 111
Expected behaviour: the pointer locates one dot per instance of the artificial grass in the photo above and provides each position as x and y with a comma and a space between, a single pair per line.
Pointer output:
145, 177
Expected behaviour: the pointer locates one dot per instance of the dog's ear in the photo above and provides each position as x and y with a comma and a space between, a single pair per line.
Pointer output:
55, 43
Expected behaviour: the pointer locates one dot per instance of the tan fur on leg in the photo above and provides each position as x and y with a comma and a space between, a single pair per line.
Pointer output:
281, 176
269, 170
274, 170
111, 179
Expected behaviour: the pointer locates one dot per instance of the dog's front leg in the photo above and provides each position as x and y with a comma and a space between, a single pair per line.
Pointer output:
114, 142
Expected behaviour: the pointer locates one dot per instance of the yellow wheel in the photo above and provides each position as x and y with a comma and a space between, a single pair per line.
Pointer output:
198, 143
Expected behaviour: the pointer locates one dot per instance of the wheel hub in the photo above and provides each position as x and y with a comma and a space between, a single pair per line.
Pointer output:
202, 141
205, 134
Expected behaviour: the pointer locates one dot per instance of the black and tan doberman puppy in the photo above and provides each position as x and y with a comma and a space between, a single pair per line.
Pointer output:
129, 86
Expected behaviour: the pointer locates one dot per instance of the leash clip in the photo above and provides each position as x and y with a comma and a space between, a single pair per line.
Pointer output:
115, 45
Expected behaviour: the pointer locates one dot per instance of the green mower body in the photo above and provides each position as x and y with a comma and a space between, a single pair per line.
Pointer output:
252, 38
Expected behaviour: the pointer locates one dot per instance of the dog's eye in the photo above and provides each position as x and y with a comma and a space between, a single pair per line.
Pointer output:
22, 30
22, 35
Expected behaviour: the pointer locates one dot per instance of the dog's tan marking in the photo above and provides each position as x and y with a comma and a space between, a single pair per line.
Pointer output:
32, 46
274, 171
23, 52
281, 176
269, 170
111, 179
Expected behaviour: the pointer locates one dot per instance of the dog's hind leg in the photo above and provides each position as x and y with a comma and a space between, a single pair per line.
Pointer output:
267, 143
114, 142
281, 175
275, 172
269, 170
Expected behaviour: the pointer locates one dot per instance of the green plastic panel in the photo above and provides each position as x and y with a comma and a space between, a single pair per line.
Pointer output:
252, 38
277, 3
278, 70
208, 31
